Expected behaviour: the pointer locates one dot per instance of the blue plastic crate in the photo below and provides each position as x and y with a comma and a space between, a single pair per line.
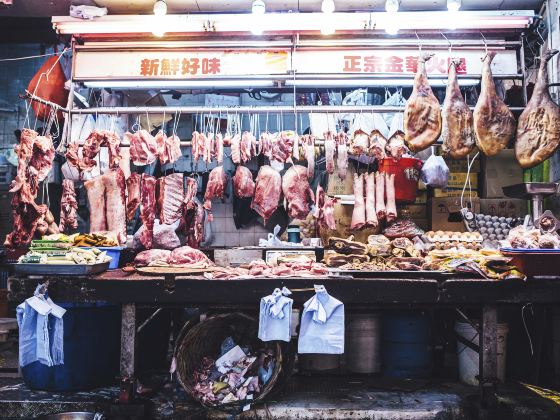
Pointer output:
112, 251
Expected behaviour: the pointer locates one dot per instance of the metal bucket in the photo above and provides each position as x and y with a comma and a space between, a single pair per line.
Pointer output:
363, 344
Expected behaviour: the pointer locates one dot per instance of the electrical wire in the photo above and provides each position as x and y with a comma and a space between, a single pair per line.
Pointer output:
33, 56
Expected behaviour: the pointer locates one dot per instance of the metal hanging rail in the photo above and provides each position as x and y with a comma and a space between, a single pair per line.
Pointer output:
283, 109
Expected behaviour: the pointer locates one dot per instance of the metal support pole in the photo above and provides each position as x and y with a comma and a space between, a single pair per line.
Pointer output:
128, 353
488, 357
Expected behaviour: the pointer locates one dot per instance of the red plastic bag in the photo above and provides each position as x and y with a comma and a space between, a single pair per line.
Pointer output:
48, 84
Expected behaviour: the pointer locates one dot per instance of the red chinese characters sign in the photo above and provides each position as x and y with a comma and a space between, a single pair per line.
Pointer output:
173, 67
396, 64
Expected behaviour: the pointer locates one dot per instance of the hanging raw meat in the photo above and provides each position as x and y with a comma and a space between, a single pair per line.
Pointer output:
422, 116
190, 192
171, 150
330, 147
457, 130
95, 189
265, 145
115, 207
283, 144
360, 143
243, 184
133, 195
215, 188
208, 148
42, 156
246, 146
68, 207
538, 129
143, 148
324, 209
494, 124
359, 212
308, 142
298, 193
377, 144
371, 215
219, 148
268, 188
341, 155
170, 198
396, 146
148, 209
380, 196
235, 144
197, 146
160, 139
391, 204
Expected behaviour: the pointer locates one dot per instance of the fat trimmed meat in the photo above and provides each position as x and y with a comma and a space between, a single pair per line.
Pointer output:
187, 256
152, 257
298, 193
235, 144
538, 129
422, 115
171, 151
115, 208
148, 209
308, 142
95, 189
494, 124
216, 187
341, 155
268, 189
133, 194
170, 198
330, 147
197, 146
143, 148
324, 209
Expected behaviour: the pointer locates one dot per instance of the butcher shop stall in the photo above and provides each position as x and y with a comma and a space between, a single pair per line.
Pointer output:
280, 209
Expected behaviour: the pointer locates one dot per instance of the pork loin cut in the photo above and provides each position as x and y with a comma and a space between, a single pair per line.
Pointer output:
243, 184
457, 129
268, 189
298, 193
538, 129
494, 124
422, 116
170, 197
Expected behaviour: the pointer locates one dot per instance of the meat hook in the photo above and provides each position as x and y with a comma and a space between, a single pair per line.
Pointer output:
419, 41
485, 43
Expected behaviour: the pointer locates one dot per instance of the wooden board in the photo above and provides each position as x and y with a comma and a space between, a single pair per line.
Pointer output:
178, 271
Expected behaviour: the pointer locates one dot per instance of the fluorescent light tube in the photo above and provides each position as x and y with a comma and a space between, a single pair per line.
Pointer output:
327, 83
179, 84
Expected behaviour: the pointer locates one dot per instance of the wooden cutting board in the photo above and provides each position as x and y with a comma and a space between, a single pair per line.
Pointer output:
177, 271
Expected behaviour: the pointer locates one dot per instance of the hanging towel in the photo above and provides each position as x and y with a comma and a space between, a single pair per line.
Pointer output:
275, 317
322, 324
41, 330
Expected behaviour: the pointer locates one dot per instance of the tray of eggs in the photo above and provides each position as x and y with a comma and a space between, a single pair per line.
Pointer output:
441, 239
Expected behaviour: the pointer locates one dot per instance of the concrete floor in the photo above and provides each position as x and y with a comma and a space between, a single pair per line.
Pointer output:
318, 397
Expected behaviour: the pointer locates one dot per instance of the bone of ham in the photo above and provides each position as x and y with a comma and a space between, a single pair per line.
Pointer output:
380, 195
148, 209
133, 195
359, 213
236, 149
371, 214
342, 155
330, 147
95, 189
390, 193
115, 208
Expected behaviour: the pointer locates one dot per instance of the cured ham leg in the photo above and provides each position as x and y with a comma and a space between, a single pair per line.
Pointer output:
359, 213
371, 214
538, 129
342, 155
380, 196
330, 147
390, 193
422, 117
494, 124
457, 129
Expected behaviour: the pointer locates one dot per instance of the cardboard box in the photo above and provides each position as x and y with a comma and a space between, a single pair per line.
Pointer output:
499, 171
421, 197
503, 207
454, 193
343, 220
337, 186
461, 165
445, 213
413, 211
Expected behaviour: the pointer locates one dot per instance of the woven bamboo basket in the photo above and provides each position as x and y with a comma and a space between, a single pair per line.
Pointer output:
205, 339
